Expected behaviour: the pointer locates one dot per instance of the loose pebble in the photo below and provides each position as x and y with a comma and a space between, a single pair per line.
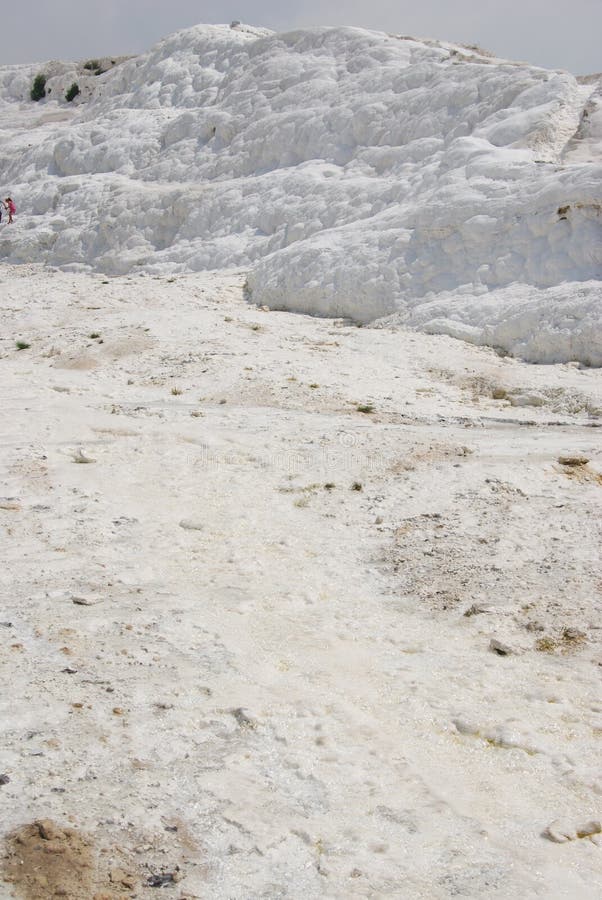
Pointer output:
573, 461
191, 525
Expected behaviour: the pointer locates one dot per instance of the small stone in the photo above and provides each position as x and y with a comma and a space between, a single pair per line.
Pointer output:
9, 503
120, 876
501, 649
590, 828
558, 833
243, 719
4, 779
465, 727
573, 460
47, 830
526, 398
191, 525
80, 457
562, 832
164, 879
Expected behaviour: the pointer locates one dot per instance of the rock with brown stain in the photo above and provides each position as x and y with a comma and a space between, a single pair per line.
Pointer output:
561, 832
573, 460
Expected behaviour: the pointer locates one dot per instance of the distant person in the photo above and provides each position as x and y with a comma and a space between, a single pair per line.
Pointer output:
10, 206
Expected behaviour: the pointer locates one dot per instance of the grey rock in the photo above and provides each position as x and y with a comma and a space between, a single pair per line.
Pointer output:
501, 649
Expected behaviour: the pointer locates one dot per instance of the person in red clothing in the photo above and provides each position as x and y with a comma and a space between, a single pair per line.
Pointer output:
10, 206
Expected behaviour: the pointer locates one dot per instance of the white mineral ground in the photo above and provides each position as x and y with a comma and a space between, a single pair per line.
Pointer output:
305, 609
298, 688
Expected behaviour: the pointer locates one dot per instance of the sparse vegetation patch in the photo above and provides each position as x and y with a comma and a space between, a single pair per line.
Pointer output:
38, 90
72, 92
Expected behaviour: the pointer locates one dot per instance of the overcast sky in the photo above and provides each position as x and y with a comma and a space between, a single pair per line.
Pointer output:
562, 34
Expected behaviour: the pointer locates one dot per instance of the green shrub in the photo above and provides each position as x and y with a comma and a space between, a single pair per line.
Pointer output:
38, 89
72, 92
93, 65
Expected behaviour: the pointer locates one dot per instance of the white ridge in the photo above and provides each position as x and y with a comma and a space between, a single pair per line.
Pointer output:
352, 173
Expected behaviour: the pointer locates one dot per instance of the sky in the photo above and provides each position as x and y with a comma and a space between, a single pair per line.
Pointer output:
556, 34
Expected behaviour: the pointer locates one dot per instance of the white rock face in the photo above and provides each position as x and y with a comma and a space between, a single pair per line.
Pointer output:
352, 173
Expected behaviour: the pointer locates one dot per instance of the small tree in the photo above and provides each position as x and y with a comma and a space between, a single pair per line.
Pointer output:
72, 92
39, 87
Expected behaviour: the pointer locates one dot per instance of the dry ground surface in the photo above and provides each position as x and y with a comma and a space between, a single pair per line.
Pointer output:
291, 609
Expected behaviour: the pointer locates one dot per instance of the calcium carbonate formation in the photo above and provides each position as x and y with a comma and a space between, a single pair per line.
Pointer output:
351, 173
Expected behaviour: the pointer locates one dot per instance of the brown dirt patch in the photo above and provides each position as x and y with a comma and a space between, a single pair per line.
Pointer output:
581, 473
45, 861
